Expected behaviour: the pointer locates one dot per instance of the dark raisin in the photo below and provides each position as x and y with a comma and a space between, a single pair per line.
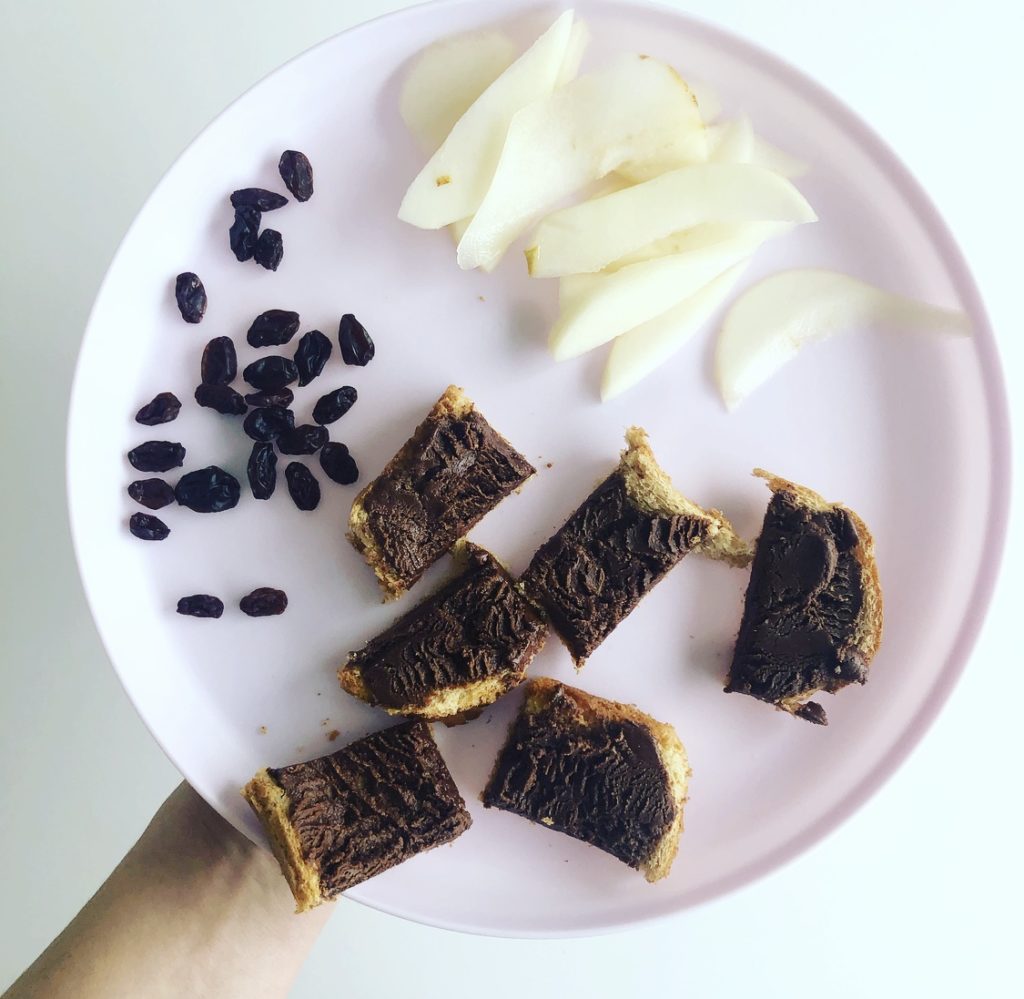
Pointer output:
163, 408
302, 486
311, 355
269, 249
244, 233
220, 362
268, 423
273, 328
157, 456
190, 295
222, 398
262, 470
208, 490
151, 493
356, 345
264, 601
305, 439
259, 198
276, 397
269, 373
201, 605
297, 174
148, 528
334, 405
338, 464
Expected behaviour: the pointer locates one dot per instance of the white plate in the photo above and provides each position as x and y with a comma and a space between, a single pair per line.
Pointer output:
911, 432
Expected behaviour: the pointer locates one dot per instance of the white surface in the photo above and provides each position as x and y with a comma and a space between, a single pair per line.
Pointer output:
916, 895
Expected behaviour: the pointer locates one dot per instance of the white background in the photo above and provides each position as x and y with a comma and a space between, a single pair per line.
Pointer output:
918, 895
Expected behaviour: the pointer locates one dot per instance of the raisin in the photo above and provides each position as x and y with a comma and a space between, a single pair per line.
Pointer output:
190, 295
338, 464
269, 373
297, 174
208, 490
334, 405
151, 493
220, 362
201, 605
244, 232
269, 249
162, 409
148, 528
259, 198
262, 470
305, 439
273, 328
157, 456
277, 397
268, 423
311, 355
264, 601
223, 398
356, 345
302, 486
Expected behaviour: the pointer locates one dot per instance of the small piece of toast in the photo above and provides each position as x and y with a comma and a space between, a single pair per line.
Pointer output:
340, 819
600, 771
623, 539
812, 618
454, 469
457, 651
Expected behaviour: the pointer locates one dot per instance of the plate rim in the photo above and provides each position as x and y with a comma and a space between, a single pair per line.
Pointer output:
996, 406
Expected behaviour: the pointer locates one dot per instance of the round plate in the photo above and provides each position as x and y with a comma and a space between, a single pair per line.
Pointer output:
910, 431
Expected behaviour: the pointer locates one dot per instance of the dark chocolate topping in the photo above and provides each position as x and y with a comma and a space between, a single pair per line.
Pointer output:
599, 780
372, 805
804, 599
478, 626
602, 561
452, 472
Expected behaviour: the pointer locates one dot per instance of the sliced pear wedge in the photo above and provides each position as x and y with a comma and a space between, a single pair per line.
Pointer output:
769, 323
455, 180
596, 308
579, 39
635, 109
587, 237
691, 239
635, 354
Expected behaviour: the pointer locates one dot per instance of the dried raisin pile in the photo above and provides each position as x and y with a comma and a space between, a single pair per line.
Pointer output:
270, 373
190, 295
148, 528
208, 490
162, 409
157, 456
244, 232
151, 493
268, 423
338, 465
274, 397
262, 470
311, 355
356, 344
273, 328
302, 486
296, 173
223, 398
334, 405
305, 439
269, 249
259, 198
220, 362
201, 605
264, 601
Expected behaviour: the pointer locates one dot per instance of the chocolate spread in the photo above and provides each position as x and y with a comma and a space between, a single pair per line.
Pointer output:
372, 805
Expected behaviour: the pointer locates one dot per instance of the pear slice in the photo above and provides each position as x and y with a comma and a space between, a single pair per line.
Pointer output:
637, 108
596, 308
453, 183
587, 237
579, 39
689, 239
769, 156
731, 141
635, 354
770, 322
